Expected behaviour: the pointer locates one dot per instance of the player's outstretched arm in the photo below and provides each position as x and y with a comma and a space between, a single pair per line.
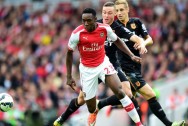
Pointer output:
69, 60
145, 42
123, 47
139, 44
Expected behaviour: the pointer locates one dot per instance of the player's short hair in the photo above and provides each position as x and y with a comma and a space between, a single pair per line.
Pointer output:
109, 4
117, 2
90, 11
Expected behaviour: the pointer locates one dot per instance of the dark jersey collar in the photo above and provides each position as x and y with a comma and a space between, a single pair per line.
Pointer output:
113, 25
120, 22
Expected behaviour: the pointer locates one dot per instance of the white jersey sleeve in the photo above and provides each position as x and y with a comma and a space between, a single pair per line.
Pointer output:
111, 34
73, 41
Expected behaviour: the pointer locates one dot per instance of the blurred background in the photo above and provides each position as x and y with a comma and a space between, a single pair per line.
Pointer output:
33, 43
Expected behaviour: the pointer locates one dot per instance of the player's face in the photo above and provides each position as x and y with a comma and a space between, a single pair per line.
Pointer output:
108, 14
88, 21
122, 12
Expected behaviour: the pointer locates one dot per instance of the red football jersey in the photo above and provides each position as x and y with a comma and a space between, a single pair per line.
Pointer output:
91, 44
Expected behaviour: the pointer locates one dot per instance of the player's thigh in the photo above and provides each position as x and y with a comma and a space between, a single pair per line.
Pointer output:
147, 92
89, 88
127, 88
113, 82
89, 81
81, 100
121, 74
124, 81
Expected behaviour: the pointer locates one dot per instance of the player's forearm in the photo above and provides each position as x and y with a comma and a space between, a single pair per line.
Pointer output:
148, 41
136, 39
123, 47
69, 60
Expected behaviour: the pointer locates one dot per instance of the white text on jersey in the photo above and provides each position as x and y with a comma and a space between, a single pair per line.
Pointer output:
94, 47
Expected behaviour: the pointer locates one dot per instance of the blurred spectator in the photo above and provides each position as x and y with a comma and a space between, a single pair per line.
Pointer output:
175, 99
33, 116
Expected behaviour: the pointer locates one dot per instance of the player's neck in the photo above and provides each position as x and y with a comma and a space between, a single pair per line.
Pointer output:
93, 28
125, 21
96, 25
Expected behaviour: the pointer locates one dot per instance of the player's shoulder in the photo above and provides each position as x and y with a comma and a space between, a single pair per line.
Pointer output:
135, 19
116, 23
116, 26
103, 27
78, 29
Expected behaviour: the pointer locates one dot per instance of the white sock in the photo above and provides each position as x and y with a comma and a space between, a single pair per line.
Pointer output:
129, 107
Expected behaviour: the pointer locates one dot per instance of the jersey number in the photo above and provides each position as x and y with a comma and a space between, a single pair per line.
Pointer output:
109, 69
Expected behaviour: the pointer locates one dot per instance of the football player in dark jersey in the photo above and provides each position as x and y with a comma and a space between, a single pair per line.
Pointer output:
108, 13
111, 50
133, 70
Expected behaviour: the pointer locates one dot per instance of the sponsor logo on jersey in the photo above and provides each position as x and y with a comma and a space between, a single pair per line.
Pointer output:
85, 37
127, 30
125, 40
94, 47
133, 26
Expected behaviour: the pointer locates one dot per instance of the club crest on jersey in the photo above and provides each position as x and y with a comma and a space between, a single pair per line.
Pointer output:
102, 34
133, 26
137, 83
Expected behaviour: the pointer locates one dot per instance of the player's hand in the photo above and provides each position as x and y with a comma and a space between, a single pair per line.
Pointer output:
136, 59
71, 82
143, 50
141, 47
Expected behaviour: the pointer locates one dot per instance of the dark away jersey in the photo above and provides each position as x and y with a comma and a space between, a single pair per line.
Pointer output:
139, 29
110, 47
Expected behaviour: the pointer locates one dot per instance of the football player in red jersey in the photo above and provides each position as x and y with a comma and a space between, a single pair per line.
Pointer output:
90, 39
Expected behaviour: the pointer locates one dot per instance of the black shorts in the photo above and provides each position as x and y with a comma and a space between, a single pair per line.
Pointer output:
136, 80
121, 75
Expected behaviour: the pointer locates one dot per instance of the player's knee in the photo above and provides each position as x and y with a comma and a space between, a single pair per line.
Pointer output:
129, 95
128, 92
81, 100
151, 94
120, 94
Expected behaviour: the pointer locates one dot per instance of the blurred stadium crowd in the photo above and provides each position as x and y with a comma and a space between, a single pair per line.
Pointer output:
33, 47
